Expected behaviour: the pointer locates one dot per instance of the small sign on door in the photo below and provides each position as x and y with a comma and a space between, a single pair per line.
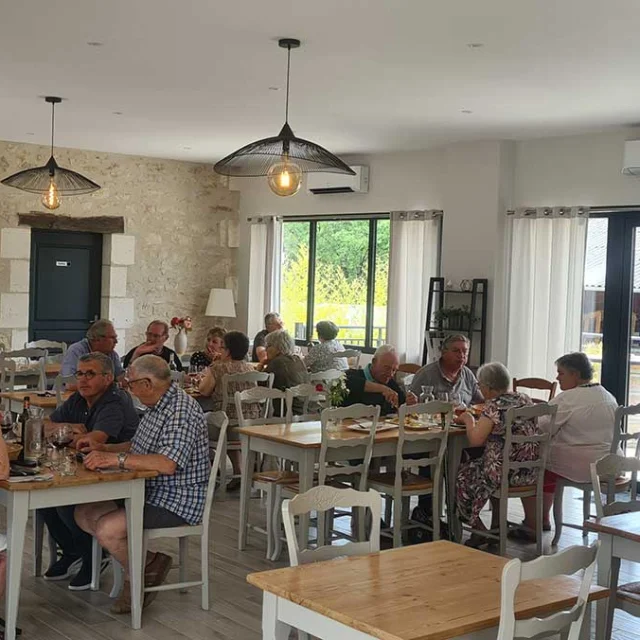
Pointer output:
62, 263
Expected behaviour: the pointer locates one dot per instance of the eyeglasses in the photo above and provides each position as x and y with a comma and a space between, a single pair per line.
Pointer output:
89, 375
129, 381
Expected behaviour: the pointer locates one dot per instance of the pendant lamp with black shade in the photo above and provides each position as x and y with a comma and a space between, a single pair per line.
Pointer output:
51, 181
282, 158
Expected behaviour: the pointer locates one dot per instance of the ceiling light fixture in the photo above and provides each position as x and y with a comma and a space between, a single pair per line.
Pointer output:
51, 181
282, 158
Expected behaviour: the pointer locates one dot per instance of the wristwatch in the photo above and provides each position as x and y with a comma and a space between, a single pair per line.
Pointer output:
122, 457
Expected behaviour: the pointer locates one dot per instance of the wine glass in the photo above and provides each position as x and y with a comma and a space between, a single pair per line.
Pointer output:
62, 438
7, 425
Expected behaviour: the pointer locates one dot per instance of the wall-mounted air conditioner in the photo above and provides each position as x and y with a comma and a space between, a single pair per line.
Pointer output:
322, 183
631, 161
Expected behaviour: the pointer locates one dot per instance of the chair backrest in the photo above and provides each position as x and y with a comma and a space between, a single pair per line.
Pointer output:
435, 459
215, 467
253, 377
409, 367
58, 386
607, 469
309, 393
323, 498
352, 355
7, 375
526, 413
536, 383
258, 395
621, 437
566, 562
28, 355
49, 345
325, 376
334, 440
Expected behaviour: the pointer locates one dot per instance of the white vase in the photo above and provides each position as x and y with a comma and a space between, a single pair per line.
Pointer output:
180, 342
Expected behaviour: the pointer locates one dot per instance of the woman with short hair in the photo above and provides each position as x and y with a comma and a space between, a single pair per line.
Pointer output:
213, 348
478, 479
322, 356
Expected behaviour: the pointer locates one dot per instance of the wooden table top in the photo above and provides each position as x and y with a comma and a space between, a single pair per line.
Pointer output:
429, 591
624, 525
51, 369
307, 435
44, 402
83, 477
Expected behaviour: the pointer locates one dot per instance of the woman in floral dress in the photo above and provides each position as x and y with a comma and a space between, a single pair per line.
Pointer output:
478, 479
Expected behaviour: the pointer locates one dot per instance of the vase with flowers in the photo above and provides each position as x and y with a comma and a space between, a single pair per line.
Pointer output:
336, 392
182, 325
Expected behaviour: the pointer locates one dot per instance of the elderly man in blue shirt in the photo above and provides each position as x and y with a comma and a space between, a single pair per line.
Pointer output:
171, 439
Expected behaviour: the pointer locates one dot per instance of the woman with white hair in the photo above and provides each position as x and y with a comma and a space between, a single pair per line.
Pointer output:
287, 367
479, 478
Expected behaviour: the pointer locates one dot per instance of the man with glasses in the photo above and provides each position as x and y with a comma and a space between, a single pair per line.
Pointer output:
156, 335
101, 337
99, 412
171, 439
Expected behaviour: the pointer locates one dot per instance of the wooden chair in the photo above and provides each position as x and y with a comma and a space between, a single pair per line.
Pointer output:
336, 465
400, 485
53, 347
325, 378
309, 393
539, 384
620, 438
33, 368
321, 499
567, 623
409, 367
606, 471
183, 534
506, 491
59, 386
7, 375
352, 355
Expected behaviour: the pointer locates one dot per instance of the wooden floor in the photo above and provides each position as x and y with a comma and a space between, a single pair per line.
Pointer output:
49, 610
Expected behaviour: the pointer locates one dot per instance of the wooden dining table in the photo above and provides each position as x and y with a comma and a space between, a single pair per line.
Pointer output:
44, 401
620, 537
431, 591
300, 442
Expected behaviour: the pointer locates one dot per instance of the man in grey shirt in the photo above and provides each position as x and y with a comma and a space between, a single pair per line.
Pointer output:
450, 374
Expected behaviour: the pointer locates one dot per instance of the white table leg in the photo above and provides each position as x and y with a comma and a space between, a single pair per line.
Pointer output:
585, 630
135, 508
272, 628
307, 466
455, 446
17, 514
604, 568
248, 463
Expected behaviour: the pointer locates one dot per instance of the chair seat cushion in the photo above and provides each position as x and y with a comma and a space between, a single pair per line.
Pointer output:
410, 481
630, 592
523, 489
276, 476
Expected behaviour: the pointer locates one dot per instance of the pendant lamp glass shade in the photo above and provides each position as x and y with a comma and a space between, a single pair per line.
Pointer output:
282, 158
51, 181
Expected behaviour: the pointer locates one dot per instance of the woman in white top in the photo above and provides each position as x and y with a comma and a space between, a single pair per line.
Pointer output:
582, 433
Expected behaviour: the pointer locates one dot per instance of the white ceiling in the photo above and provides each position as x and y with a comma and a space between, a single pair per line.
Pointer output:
371, 76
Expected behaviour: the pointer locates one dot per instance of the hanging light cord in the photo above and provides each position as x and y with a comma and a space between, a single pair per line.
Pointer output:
286, 112
53, 112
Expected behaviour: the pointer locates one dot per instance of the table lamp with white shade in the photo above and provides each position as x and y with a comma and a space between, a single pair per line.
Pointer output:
221, 304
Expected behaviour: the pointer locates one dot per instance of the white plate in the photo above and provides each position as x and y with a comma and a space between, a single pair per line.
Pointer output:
366, 426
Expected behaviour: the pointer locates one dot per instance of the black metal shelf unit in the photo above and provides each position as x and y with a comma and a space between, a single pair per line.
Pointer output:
476, 330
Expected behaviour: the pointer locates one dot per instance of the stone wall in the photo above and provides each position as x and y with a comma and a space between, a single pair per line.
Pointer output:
180, 240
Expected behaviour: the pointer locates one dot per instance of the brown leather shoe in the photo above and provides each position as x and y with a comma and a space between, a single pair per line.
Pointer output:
123, 603
155, 574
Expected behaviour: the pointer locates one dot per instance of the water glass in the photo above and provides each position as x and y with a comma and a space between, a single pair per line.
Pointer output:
427, 393
67, 465
443, 396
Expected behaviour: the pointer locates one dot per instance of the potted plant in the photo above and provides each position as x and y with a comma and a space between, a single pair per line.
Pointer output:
454, 318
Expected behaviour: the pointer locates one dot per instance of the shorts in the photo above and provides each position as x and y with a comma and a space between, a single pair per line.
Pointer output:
550, 481
157, 517
214, 420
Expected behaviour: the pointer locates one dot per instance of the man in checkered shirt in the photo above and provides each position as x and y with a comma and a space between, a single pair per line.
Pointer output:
171, 439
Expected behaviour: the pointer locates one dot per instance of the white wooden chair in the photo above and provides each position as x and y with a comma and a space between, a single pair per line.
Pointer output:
267, 480
321, 499
309, 393
59, 386
335, 465
566, 623
506, 491
352, 355
620, 437
401, 484
252, 377
182, 534
58, 349
325, 378
605, 471
31, 368
7, 375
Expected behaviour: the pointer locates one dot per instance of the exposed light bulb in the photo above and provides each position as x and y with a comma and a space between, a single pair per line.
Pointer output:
285, 178
51, 199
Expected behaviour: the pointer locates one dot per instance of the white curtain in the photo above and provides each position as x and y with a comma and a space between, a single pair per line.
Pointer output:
264, 270
414, 259
545, 290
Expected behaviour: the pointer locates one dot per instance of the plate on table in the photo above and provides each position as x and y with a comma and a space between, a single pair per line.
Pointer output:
412, 421
365, 425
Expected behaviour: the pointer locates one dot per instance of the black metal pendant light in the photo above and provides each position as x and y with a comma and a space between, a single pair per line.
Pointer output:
282, 158
51, 180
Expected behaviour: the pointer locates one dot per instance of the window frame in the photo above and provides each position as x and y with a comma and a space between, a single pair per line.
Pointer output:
313, 221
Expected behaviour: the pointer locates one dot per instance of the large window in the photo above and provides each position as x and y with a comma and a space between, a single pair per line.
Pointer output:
336, 270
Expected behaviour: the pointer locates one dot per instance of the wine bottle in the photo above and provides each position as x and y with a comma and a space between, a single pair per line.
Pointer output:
22, 426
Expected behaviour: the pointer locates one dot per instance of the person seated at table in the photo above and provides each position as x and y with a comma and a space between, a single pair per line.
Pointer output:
234, 352
101, 337
376, 385
272, 322
98, 412
157, 334
450, 374
287, 367
322, 356
582, 434
213, 348
172, 440
479, 478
